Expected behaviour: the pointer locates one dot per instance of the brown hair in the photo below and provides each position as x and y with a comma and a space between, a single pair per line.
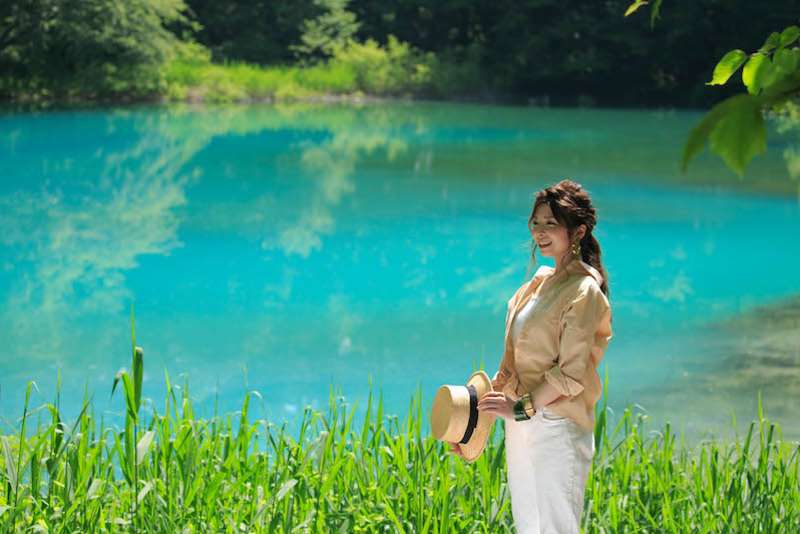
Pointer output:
571, 206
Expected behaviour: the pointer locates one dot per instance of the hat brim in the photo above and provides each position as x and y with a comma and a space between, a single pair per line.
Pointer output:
472, 449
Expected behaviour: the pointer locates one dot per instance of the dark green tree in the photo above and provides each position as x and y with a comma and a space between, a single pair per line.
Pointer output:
567, 48
86, 47
255, 31
333, 28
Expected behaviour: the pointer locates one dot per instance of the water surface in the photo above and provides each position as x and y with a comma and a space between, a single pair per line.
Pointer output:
290, 250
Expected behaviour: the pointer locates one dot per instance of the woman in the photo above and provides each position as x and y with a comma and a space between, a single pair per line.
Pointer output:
557, 328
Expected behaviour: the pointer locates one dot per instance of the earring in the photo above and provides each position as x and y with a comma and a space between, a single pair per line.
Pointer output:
576, 249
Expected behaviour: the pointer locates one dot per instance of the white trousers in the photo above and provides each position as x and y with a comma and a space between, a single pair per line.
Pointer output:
548, 458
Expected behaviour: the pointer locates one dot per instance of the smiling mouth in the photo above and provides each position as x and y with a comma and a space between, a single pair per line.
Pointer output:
544, 244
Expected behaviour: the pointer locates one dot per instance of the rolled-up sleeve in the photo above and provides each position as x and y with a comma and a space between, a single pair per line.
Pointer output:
504, 372
585, 333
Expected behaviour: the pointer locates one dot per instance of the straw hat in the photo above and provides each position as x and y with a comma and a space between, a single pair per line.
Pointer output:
455, 416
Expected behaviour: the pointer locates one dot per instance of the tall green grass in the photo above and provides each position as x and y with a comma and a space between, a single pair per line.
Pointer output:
166, 470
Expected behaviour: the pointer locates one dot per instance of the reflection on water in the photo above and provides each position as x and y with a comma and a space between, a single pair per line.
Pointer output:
757, 351
70, 237
290, 248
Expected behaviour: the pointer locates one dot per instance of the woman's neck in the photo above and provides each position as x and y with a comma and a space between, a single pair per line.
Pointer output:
561, 263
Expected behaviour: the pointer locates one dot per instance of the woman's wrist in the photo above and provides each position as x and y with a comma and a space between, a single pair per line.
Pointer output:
519, 411
523, 408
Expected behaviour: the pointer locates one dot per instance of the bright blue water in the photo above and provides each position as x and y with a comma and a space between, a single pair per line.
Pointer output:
288, 250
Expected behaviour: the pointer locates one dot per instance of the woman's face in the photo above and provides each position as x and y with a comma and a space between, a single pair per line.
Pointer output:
550, 235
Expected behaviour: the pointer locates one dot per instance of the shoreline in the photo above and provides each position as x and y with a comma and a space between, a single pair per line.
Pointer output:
502, 100
325, 99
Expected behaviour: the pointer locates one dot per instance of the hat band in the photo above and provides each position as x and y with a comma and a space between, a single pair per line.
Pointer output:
473, 414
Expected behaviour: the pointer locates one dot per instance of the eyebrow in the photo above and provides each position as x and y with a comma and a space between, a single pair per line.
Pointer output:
546, 218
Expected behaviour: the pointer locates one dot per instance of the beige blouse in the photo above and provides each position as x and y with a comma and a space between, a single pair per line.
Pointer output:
562, 342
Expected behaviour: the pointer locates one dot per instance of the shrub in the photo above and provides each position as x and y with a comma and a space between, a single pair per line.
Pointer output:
395, 69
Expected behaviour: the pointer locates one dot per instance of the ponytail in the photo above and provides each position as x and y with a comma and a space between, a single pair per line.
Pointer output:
590, 253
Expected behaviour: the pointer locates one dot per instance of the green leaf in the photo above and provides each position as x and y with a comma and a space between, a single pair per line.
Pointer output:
783, 78
117, 378
388, 508
130, 400
789, 35
11, 469
699, 135
739, 134
755, 72
331, 476
655, 12
144, 491
138, 369
729, 64
285, 488
634, 6
736, 132
94, 487
144, 445
786, 60
780, 84
772, 41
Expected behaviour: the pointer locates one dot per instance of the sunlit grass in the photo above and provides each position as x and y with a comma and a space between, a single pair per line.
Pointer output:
236, 82
169, 471
395, 69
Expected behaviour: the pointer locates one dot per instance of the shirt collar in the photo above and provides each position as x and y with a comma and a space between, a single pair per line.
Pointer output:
578, 266
574, 266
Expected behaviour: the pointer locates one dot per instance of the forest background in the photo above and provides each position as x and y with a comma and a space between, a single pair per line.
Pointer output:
558, 52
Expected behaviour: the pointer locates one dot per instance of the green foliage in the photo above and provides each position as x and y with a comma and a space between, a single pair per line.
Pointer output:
649, 482
132, 387
565, 49
251, 31
109, 50
328, 32
772, 70
735, 127
654, 11
239, 82
355, 69
394, 69
66, 49
727, 66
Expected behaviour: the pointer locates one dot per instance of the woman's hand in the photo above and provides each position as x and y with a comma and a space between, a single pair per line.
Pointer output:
496, 403
455, 448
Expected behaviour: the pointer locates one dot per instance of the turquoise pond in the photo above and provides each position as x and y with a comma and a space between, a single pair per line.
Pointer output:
294, 249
